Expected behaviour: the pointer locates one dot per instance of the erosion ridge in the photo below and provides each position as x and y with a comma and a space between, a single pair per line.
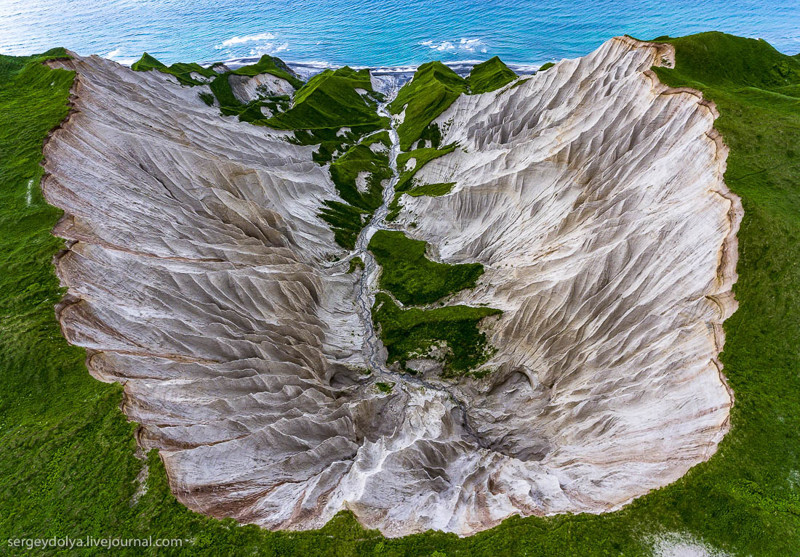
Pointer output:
199, 275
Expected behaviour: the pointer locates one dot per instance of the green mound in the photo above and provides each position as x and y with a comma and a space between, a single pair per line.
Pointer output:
723, 61
180, 70
489, 76
270, 65
355, 263
220, 86
411, 277
546, 66
430, 92
183, 71
331, 100
411, 333
385, 387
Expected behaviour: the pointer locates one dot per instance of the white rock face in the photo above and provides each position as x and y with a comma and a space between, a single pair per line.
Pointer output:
198, 277
246, 88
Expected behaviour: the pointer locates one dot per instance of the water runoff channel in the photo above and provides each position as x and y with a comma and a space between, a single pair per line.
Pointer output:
368, 284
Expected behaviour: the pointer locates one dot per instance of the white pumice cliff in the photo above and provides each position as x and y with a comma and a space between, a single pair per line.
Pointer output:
200, 277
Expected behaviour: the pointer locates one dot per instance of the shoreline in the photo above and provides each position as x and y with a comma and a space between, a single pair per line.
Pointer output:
311, 68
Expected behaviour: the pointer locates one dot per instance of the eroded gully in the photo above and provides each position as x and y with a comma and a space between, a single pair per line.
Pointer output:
376, 358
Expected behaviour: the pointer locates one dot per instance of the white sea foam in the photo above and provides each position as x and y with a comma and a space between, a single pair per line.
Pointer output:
399, 74
245, 39
265, 44
462, 45
117, 56
269, 48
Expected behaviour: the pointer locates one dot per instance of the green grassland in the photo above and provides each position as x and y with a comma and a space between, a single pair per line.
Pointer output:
434, 88
67, 464
411, 277
430, 92
271, 65
345, 170
219, 84
489, 76
182, 71
409, 333
330, 100
432, 190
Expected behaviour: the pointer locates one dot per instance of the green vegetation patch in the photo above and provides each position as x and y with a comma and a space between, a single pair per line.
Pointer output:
345, 221
355, 263
220, 85
273, 66
180, 70
489, 76
421, 158
413, 278
432, 190
430, 92
406, 181
207, 98
394, 208
348, 218
247, 112
331, 100
183, 71
546, 66
358, 160
332, 141
723, 61
452, 331
385, 387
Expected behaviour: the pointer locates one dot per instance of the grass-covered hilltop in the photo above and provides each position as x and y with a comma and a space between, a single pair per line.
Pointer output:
67, 453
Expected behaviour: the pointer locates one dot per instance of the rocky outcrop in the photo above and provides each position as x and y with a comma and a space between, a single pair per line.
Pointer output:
249, 88
200, 277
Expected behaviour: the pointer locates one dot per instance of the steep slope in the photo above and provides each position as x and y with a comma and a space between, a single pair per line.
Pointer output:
593, 196
201, 277
196, 277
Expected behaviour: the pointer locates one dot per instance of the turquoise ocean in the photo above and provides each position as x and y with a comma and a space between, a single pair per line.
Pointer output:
378, 33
